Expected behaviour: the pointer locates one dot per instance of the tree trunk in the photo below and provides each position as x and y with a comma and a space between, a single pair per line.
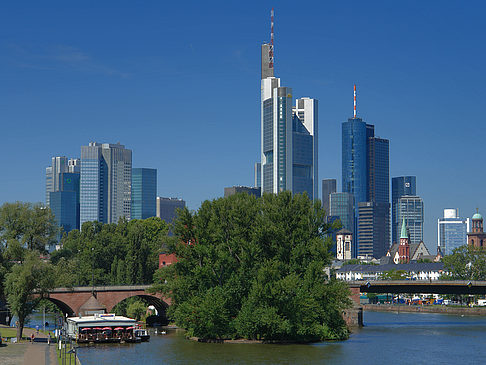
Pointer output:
20, 329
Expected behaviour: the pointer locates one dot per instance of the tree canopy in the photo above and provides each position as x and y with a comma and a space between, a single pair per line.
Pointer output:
254, 268
465, 263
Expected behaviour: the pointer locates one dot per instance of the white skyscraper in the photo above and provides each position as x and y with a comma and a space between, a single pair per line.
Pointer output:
451, 231
288, 135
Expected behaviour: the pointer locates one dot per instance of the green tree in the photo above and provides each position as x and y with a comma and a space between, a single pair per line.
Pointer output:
254, 268
137, 310
25, 285
465, 263
30, 224
394, 275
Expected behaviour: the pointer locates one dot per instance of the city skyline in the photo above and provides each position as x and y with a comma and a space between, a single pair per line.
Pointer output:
418, 85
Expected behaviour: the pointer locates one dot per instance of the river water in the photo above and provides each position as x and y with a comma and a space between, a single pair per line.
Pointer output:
387, 338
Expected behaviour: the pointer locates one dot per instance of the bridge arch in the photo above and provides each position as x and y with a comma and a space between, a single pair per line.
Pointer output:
64, 307
160, 305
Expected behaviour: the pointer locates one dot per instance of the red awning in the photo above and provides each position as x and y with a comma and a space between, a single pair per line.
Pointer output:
98, 328
106, 328
118, 328
85, 329
129, 328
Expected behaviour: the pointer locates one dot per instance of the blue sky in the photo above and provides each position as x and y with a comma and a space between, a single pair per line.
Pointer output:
179, 84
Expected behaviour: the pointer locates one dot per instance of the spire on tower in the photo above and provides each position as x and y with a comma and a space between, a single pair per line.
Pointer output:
354, 115
270, 52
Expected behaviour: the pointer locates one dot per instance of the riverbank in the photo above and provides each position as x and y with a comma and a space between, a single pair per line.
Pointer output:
466, 311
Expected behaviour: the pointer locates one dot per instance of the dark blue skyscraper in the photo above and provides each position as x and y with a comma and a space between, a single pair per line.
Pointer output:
401, 186
144, 193
365, 175
355, 134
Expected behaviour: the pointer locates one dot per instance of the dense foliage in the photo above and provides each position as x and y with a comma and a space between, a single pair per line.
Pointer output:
466, 263
111, 254
253, 268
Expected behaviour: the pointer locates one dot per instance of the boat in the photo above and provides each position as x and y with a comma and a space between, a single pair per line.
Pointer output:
101, 328
142, 333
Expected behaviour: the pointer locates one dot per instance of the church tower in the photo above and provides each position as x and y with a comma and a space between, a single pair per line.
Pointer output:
404, 247
477, 237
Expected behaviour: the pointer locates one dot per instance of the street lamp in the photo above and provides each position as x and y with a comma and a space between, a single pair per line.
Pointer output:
92, 270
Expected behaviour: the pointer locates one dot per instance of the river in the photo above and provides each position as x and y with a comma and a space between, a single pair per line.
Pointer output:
387, 338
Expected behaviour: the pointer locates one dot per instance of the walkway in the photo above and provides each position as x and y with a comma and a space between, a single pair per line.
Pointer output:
37, 353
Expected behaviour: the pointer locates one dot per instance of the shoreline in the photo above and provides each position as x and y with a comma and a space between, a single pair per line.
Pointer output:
474, 311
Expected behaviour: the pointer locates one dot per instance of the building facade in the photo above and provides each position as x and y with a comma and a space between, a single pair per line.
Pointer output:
242, 189
401, 185
451, 231
167, 208
106, 180
289, 135
373, 229
344, 244
144, 193
328, 187
411, 209
341, 205
477, 237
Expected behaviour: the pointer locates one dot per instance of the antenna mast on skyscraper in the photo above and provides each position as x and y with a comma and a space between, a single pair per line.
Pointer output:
270, 52
354, 100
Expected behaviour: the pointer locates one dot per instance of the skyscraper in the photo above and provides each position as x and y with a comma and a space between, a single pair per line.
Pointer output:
258, 175
289, 135
106, 179
411, 209
365, 175
144, 193
401, 185
62, 192
328, 187
342, 207
167, 208
451, 231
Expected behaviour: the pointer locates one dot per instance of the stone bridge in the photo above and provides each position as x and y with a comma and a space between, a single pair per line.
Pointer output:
84, 299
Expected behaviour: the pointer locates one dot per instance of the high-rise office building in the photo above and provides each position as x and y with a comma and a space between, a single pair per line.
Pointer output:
242, 189
106, 179
289, 135
62, 192
58, 166
365, 175
328, 187
144, 193
167, 208
401, 185
451, 231
341, 205
411, 209
258, 175
373, 229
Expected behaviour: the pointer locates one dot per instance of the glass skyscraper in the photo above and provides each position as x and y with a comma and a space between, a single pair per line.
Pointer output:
328, 187
365, 175
289, 136
144, 193
106, 179
401, 185
411, 208
452, 231
167, 208
342, 207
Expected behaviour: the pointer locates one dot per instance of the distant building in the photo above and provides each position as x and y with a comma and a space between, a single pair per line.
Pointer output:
401, 185
166, 259
167, 208
289, 135
344, 244
477, 237
415, 271
328, 187
341, 206
62, 192
405, 252
451, 231
242, 189
106, 180
144, 193
411, 208
258, 175
373, 229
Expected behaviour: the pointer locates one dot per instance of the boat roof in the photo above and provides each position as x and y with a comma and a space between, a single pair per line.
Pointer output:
102, 320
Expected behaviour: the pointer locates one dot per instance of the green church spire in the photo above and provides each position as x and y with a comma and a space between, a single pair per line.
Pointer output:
404, 233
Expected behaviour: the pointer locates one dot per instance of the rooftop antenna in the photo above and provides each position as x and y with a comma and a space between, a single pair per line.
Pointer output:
354, 100
270, 52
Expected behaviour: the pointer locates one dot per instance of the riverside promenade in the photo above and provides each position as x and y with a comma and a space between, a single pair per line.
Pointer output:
456, 310
25, 352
